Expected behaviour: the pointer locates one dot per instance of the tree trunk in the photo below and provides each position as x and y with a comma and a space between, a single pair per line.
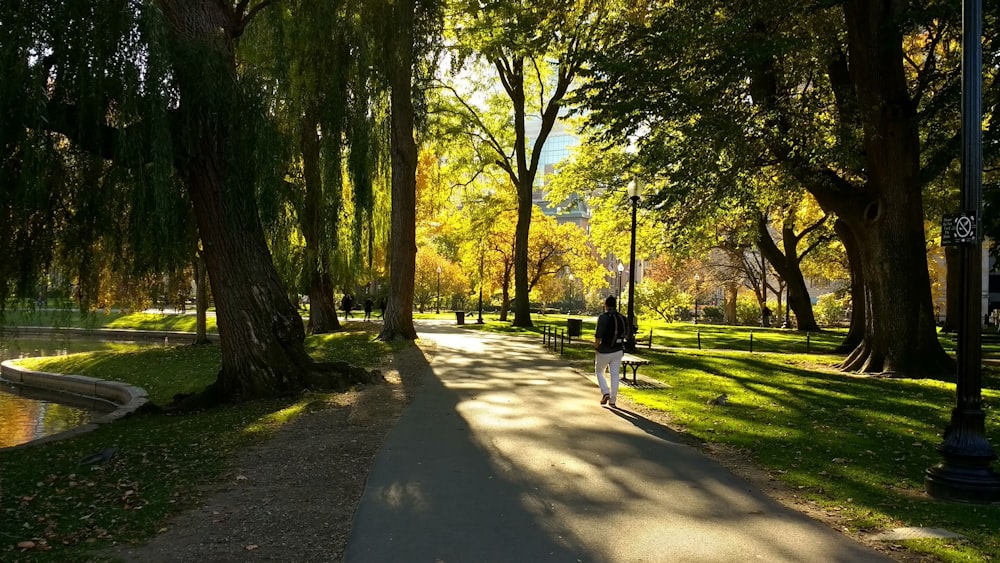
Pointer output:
261, 333
522, 300
887, 216
504, 302
732, 291
322, 306
787, 265
398, 321
201, 300
856, 332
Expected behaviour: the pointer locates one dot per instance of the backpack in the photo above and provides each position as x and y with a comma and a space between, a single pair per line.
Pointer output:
618, 327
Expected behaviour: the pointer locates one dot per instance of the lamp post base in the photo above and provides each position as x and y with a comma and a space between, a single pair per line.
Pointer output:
965, 474
971, 481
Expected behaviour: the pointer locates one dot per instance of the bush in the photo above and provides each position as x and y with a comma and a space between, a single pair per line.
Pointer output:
713, 314
831, 309
747, 310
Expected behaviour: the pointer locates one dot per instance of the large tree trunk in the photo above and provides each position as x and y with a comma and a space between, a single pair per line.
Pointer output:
856, 332
522, 301
261, 333
887, 216
322, 306
398, 320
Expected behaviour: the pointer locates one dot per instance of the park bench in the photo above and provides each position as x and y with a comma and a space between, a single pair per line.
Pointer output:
634, 362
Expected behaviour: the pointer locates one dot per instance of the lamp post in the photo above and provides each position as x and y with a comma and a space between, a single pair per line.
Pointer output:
965, 474
571, 278
437, 300
697, 283
621, 268
634, 190
480, 319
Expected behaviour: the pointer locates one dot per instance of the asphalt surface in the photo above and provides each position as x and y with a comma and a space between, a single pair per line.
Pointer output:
505, 455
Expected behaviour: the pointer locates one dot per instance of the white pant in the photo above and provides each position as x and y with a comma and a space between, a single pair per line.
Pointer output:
614, 361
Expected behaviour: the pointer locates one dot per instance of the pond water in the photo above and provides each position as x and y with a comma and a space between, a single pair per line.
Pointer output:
27, 414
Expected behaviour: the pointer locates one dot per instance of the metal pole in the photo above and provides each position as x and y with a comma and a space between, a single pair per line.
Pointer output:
965, 474
697, 283
437, 300
632, 325
618, 299
763, 288
480, 320
788, 294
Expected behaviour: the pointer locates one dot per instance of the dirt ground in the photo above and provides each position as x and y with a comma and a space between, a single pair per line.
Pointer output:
293, 498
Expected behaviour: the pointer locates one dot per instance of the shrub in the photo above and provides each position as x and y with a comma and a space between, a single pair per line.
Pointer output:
831, 308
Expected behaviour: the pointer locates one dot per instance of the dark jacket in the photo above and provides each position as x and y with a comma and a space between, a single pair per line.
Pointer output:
611, 329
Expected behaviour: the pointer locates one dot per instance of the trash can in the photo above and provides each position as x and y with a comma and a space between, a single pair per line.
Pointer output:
574, 327
460, 317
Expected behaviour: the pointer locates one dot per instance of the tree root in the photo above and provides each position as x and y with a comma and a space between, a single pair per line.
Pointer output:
322, 376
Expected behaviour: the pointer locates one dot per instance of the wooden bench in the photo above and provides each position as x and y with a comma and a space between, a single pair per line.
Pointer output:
628, 360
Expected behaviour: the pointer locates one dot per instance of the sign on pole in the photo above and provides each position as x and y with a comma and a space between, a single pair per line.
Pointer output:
959, 229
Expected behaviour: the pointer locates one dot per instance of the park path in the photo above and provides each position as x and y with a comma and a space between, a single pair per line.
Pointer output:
505, 455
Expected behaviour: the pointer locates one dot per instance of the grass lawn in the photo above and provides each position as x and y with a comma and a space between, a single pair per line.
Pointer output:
72, 318
856, 446
70, 510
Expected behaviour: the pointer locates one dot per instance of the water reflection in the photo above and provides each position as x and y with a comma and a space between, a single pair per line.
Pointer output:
27, 414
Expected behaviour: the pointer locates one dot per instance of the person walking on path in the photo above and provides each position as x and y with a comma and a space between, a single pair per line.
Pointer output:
346, 304
609, 341
368, 308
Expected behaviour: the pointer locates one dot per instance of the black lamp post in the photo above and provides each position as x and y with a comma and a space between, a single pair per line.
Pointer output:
634, 190
480, 319
621, 268
697, 284
437, 300
572, 281
965, 474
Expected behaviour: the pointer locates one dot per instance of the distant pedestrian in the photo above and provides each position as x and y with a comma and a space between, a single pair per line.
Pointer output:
381, 307
368, 308
346, 304
609, 342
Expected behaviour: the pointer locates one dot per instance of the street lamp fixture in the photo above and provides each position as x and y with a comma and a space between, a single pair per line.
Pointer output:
697, 283
634, 191
437, 300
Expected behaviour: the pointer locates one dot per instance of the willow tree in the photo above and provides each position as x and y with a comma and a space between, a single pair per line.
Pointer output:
157, 83
855, 102
319, 60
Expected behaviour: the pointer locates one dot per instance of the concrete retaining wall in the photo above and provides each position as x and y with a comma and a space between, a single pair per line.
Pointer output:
127, 397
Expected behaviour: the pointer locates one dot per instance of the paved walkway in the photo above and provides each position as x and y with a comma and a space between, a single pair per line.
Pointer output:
505, 455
